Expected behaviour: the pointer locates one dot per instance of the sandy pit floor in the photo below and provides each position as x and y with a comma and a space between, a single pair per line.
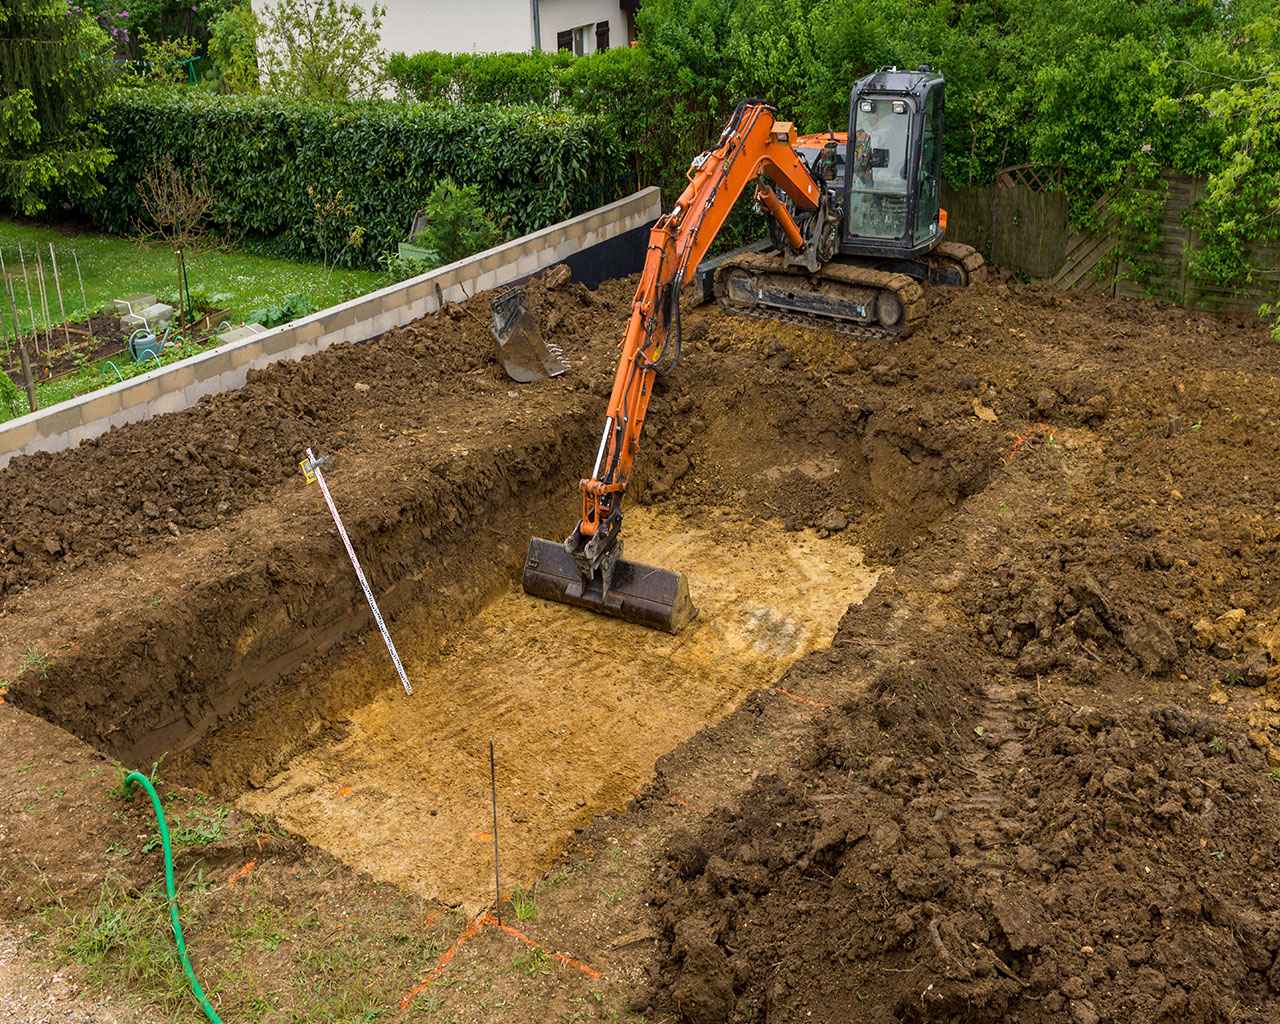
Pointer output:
576, 704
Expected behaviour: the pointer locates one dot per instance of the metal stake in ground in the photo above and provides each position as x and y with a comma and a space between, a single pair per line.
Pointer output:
311, 471
35, 333
88, 320
493, 785
57, 283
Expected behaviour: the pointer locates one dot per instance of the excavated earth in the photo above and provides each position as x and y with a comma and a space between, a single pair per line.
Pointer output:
980, 720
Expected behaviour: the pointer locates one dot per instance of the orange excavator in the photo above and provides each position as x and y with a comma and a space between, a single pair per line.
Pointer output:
856, 232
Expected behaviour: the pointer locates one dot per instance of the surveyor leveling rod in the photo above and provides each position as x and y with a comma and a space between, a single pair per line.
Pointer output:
311, 471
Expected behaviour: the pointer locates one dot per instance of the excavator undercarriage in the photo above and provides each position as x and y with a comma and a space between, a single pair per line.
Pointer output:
845, 296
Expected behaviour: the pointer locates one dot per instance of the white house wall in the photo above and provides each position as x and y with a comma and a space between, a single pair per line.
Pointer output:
475, 26
490, 26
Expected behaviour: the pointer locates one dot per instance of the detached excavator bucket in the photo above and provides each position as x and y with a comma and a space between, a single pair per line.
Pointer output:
638, 593
521, 350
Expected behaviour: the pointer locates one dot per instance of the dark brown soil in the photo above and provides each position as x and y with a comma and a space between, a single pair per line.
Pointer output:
1031, 778
66, 352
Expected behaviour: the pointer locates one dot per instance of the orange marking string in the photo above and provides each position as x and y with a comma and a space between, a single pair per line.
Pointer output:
802, 700
1032, 433
559, 956
483, 837
243, 871
472, 929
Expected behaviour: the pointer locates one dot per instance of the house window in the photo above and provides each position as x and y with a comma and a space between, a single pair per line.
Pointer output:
579, 41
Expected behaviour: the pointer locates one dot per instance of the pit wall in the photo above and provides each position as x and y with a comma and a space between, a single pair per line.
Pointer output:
607, 242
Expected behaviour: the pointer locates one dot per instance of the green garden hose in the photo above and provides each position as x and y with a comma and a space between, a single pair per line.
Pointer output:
145, 783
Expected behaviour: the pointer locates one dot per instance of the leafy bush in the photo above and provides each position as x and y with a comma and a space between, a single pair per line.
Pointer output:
164, 61
261, 154
293, 307
233, 48
323, 49
511, 78
457, 224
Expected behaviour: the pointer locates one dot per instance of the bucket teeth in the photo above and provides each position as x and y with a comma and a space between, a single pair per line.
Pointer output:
637, 593
518, 342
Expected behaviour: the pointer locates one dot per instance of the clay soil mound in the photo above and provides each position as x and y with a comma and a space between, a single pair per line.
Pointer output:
1031, 777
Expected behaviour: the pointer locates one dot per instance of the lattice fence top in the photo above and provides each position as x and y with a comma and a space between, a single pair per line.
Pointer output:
1036, 177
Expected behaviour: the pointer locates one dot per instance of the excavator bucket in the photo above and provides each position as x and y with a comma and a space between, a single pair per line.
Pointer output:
521, 350
637, 593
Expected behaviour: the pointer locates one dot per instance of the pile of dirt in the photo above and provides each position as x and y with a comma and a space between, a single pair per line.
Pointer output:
147, 482
1056, 799
946, 853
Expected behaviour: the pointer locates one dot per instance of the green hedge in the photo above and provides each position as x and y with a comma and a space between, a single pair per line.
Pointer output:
533, 77
534, 166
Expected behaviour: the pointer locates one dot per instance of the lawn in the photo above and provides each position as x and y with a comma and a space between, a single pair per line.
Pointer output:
112, 268
115, 267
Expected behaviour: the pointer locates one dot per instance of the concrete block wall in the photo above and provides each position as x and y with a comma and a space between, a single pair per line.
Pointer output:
225, 368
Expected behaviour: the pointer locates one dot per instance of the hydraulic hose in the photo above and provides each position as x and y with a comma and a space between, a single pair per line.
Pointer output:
197, 991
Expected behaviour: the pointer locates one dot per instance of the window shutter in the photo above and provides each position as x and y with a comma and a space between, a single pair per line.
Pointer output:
564, 40
602, 35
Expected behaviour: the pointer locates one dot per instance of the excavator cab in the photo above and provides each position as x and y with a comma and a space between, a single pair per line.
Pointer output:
893, 164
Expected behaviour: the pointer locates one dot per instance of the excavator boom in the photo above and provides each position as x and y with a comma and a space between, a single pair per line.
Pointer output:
587, 569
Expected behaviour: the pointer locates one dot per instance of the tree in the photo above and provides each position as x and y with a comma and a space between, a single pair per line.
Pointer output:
1236, 79
55, 64
233, 48
322, 48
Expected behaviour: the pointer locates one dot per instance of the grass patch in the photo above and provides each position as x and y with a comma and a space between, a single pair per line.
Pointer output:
525, 908
114, 267
256, 960
123, 940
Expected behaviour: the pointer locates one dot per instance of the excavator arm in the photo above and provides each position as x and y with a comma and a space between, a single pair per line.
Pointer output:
753, 147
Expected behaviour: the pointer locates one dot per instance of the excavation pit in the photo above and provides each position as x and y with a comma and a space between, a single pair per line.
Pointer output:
578, 707
245, 654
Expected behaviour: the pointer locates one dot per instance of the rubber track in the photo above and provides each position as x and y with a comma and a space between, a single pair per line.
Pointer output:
974, 266
909, 293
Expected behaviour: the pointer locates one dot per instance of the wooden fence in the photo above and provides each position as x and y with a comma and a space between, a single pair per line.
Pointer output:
1027, 230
